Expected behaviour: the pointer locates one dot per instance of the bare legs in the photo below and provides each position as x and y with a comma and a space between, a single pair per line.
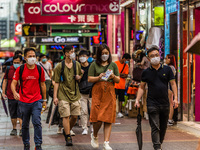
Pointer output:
107, 129
69, 123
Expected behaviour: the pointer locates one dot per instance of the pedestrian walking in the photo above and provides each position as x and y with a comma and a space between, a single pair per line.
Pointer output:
157, 77
85, 89
48, 73
32, 84
13, 104
120, 87
103, 109
66, 92
171, 62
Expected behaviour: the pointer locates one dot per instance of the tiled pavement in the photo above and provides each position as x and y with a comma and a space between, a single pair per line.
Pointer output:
122, 138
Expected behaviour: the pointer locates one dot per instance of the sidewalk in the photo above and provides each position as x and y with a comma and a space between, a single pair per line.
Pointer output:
122, 138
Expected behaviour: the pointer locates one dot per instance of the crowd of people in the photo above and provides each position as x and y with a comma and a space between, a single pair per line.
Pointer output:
86, 87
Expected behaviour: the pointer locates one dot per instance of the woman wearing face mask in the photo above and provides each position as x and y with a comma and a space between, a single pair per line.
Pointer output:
103, 109
171, 62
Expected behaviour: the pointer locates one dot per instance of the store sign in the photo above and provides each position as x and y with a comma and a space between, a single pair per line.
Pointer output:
34, 30
72, 7
18, 29
32, 14
58, 40
159, 16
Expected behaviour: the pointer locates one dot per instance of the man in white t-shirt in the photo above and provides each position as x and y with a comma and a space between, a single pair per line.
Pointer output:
48, 72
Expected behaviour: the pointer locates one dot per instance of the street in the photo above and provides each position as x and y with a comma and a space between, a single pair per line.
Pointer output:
122, 137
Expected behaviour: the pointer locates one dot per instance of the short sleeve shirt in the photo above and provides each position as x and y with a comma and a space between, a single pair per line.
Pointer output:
31, 85
157, 81
66, 90
95, 70
48, 67
122, 83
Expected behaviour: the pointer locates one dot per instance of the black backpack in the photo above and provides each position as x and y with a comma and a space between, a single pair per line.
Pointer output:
7, 71
62, 72
21, 72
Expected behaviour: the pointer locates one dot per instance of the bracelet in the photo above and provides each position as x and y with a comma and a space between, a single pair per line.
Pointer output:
44, 100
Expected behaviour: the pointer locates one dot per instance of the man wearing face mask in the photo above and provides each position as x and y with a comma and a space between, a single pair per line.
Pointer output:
32, 84
157, 78
66, 91
120, 87
48, 73
85, 88
7, 94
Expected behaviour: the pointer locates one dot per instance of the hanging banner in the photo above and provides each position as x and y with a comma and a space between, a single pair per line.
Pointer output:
32, 14
75, 7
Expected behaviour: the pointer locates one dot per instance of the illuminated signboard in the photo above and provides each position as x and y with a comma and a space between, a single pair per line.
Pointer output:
34, 30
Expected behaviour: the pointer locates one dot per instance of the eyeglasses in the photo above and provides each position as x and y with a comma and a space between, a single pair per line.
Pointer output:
156, 55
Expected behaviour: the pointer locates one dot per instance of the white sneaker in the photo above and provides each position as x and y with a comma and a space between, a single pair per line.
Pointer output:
85, 132
91, 128
72, 133
94, 141
120, 115
59, 131
106, 146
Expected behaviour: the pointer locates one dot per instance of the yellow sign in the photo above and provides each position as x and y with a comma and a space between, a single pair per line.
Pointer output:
159, 16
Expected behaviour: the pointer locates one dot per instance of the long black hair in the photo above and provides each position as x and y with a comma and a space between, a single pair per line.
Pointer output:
99, 53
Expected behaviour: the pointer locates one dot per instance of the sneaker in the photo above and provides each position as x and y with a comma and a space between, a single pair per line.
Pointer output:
20, 132
72, 133
59, 130
26, 147
170, 123
85, 132
146, 115
91, 128
106, 146
120, 115
13, 132
94, 141
68, 140
38, 147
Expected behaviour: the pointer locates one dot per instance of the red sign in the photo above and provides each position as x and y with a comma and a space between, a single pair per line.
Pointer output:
18, 29
72, 7
32, 14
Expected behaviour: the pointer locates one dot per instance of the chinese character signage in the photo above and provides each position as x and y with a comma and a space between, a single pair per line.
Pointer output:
58, 40
34, 30
32, 14
72, 7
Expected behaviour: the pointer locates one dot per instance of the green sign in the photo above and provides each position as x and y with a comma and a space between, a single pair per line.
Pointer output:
43, 49
159, 16
74, 30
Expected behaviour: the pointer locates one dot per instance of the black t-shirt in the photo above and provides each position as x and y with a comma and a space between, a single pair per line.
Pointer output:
85, 75
157, 81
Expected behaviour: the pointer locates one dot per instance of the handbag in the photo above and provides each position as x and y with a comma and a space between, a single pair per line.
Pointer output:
85, 87
137, 74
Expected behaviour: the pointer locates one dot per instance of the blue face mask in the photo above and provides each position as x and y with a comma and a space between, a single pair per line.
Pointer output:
90, 59
16, 65
44, 60
126, 62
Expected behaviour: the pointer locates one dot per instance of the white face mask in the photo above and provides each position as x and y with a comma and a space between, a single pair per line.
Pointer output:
155, 60
83, 59
31, 61
72, 56
104, 57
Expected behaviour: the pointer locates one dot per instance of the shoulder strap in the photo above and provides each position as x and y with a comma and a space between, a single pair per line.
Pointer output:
123, 68
21, 69
44, 69
62, 70
7, 71
107, 67
75, 73
40, 72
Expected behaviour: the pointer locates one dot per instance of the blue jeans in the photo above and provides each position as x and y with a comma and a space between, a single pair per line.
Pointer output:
34, 110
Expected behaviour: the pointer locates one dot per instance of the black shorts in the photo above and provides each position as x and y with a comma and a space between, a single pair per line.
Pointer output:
120, 94
14, 109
